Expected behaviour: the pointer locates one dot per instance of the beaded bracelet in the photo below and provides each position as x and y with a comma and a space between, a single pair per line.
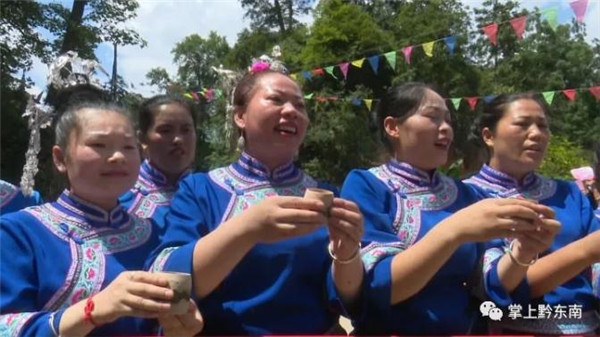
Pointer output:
87, 311
347, 261
514, 259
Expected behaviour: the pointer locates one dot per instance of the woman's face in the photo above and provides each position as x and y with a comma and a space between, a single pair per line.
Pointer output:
101, 160
519, 142
274, 120
170, 142
424, 138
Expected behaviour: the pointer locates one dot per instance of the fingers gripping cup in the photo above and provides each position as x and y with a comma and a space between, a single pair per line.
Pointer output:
181, 284
325, 196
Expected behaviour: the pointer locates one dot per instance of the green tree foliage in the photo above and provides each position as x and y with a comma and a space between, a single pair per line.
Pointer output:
195, 56
562, 156
279, 14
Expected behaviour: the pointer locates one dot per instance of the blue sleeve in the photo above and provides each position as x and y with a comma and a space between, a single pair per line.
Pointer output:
20, 314
591, 222
185, 223
380, 243
494, 290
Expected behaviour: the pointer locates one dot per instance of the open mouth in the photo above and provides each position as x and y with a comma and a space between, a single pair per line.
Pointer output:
442, 144
177, 152
286, 130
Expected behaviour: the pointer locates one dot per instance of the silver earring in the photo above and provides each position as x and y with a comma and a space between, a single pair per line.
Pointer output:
241, 144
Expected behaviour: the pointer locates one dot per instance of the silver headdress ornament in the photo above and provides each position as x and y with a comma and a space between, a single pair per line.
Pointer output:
265, 62
67, 71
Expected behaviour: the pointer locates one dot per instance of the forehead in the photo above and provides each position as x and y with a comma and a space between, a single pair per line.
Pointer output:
524, 108
274, 82
170, 112
94, 118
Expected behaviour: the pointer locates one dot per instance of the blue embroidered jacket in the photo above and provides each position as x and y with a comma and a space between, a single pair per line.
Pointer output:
283, 287
60, 253
574, 212
151, 195
12, 198
401, 204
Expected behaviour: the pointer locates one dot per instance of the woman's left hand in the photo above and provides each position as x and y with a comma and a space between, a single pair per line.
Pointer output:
345, 228
188, 324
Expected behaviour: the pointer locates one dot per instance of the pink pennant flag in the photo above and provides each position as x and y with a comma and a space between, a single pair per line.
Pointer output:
319, 72
518, 24
195, 95
491, 31
596, 92
344, 68
579, 7
472, 102
407, 51
570, 93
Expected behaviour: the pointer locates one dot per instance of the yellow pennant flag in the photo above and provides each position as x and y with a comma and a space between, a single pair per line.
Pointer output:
358, 63
188, 95
294, 76
428, 48
368, 103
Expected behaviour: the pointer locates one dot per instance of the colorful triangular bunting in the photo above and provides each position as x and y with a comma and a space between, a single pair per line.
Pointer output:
570, 93
428, 48
368, 103
306, 74
344, 68
358, 63
551, 16
451, 43
309, 96
491, 31
596, 92
518, 25
579, 7
319, 72
374, 62
329, 70
407, 51
391, 58
549, 96
472, 102
456, 102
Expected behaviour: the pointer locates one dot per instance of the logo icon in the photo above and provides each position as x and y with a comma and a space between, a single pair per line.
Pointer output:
489, 309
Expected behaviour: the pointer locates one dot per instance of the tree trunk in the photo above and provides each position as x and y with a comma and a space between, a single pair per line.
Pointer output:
114, 73
279, 13
75, 19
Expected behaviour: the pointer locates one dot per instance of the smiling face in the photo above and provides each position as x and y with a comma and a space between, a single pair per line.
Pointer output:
520, 139
424, 138
170, 142
101, 159
273, 120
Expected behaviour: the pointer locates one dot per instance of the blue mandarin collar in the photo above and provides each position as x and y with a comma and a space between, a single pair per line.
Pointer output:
494, 176
89, 213
414, 175
250, 167
155, 177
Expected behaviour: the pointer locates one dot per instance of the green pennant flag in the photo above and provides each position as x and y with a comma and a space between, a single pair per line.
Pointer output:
329, 70
456, 102
551, 15
309, 96
549, 96
391, 58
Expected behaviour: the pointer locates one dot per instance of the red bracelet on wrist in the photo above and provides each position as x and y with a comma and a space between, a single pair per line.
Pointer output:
87, 311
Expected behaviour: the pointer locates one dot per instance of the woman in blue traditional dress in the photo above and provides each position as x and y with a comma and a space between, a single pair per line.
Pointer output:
258, 251
167, 135
72, 267
12, 198
423, 241
515, 130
